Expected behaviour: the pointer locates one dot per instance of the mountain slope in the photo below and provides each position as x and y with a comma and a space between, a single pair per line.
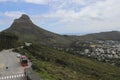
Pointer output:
55, 65
29, 32
112, 35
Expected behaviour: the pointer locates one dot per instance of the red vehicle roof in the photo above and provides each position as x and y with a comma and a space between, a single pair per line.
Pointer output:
23, 56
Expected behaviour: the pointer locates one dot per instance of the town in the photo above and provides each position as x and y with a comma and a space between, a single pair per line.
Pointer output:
107, 51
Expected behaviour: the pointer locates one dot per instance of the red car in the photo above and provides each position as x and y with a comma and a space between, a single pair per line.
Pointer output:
24, 60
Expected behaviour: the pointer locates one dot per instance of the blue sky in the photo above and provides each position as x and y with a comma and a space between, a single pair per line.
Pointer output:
64, 16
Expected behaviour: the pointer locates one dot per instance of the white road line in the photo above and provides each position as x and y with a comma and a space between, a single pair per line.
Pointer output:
12, 76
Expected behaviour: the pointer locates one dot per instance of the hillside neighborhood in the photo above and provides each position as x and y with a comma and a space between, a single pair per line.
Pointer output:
105, 51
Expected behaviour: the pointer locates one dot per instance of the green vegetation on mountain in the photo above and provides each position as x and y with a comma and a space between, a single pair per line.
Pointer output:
55, 65
27, 31
7, 40
112, 35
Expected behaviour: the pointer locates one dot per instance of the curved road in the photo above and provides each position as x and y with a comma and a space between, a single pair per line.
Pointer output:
15, 71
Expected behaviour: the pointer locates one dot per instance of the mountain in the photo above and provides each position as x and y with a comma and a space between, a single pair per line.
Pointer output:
111, 35
27, 31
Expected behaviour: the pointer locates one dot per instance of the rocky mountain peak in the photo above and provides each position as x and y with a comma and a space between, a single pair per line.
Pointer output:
23, 18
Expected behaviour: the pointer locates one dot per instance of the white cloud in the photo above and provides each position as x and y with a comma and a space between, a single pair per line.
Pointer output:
107, 9
100, 9
6, 18
84, 2
29, 1
8, 0
3, 0
37, 1
14, 14
102, 15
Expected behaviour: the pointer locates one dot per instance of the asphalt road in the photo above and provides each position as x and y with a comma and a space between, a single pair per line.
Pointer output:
15, 71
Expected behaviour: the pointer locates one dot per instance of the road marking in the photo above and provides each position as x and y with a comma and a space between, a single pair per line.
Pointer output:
12, 76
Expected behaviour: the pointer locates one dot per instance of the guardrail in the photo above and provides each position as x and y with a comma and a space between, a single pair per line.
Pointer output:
31, 75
